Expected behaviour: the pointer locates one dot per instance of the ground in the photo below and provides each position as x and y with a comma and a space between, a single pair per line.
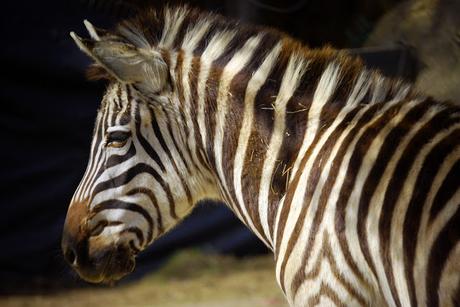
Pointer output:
189, 279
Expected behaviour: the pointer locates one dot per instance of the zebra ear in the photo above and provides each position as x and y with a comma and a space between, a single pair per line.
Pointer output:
95, 33
123, 61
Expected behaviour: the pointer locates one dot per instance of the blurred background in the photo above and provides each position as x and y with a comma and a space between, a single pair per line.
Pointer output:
47, 115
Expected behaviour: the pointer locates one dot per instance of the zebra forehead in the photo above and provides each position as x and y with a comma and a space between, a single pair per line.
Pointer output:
117, 106
117, 97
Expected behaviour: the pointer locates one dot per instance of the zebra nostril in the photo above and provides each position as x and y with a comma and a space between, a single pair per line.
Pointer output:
71, 256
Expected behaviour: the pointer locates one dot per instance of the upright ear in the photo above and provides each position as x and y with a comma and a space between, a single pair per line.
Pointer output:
123, 61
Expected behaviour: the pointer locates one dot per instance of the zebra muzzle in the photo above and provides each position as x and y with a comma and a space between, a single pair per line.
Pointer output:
98, 263
95, 258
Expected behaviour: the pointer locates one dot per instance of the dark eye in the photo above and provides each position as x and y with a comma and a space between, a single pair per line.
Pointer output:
117, 139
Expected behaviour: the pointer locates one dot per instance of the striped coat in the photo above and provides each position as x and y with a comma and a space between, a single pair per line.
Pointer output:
351, 179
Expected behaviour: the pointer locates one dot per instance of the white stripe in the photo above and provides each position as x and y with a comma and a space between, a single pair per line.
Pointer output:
400, 210
324, 90
351, 210
291, 80
298, 199
426, 234
380, 88
254, 85
214, 50
360, 89
175, 117
101, 154
372, 222
194, 36
97, 158
293, 263
93, 152
172, 21
233, 67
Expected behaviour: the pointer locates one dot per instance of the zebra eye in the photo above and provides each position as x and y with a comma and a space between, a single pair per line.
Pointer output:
117, 139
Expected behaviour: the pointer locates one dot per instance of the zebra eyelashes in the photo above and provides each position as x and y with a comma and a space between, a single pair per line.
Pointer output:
117, 138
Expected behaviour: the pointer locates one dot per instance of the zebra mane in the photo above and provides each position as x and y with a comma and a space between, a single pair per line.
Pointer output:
179, 27
192, 30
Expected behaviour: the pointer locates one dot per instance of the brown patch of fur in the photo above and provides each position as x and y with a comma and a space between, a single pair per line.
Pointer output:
75, 229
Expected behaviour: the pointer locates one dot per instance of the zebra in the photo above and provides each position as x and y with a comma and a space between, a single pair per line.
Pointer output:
352, 179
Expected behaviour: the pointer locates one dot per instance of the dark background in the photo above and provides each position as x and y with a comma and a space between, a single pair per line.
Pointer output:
48, 110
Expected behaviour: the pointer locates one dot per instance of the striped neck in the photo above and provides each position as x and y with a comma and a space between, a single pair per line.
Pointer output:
235, 120
251, 112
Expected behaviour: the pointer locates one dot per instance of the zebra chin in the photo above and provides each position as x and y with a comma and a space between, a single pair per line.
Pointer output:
107, 266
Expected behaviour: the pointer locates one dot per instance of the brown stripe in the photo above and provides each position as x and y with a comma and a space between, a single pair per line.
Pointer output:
210, 98
326, 254
308, 85
361, 147
183, 29
325, 291
393, 190
430, 167
232, 127
146, 146
132, 172
117, 98
137, 232
153, 200
173, 138
449, 186
118, 204
259, 140
159, 135
99, 228
299, 225
237, 90
375, 174
193, 81
445, 243
181, 107
318, 165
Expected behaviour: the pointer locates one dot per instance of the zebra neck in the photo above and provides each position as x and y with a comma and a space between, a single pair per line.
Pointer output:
243, 129
254, 112
251, 118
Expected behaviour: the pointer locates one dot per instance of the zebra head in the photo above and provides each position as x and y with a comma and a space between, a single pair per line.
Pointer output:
133, 190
